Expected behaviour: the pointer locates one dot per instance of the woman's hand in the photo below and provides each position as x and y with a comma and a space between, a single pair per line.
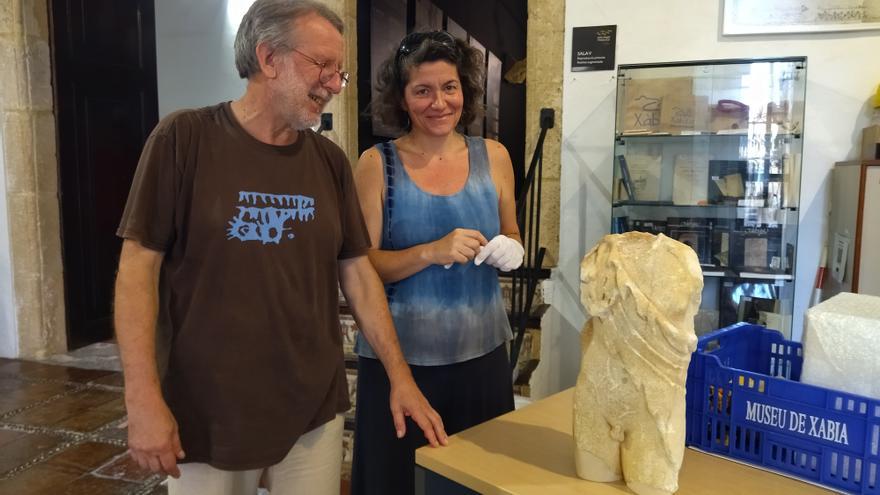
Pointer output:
502, 252
458, 246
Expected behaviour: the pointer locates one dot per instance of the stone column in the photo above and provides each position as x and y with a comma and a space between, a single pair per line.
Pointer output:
544, 58
345, 105
27, 132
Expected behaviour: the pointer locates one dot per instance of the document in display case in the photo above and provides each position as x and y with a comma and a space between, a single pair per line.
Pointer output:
709, 153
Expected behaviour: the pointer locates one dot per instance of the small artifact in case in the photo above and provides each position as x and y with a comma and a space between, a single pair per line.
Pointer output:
643, 101
684, 114
757, 248
729, 117
727, 180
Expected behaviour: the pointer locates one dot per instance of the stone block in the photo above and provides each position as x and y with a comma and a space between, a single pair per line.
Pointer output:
18, 149
13, 86
35, 19
45, 153
49, 229
51, 271
550, 220
10, 17
39, 74
28, 314
37, 278
23, 235
841, 344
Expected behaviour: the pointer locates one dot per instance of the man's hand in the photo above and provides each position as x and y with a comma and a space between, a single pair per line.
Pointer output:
407, 400
366, 298
152, 431
153, 440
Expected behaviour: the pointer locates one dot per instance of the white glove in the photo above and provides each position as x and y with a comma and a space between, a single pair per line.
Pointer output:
502, 252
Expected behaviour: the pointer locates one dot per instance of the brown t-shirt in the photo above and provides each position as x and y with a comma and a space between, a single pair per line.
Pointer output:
248, 321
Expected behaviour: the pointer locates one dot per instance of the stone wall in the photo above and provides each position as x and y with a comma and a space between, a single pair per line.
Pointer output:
345, 105
27, 125
544, 56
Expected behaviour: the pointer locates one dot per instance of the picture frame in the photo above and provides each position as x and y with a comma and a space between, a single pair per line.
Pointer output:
757, 249
478, 126
745, 17
493, 95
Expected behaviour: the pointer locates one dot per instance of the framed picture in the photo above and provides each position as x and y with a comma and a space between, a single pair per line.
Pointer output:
799, 16
477, 127
694, 233
493, 95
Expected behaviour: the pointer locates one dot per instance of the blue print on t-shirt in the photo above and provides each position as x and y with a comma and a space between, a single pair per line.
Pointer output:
263, 216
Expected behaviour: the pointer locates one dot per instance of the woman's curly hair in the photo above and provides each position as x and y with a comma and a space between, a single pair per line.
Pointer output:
395, 70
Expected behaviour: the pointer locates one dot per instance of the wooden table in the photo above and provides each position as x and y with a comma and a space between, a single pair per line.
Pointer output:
531, 451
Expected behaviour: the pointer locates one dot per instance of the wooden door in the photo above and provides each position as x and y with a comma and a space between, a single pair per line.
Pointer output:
104, 64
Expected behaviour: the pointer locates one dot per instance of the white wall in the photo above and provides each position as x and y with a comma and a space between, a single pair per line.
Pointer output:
8, 328
842, 73
194, 57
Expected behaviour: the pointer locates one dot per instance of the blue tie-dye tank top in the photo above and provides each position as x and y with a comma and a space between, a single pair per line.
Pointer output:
442, 316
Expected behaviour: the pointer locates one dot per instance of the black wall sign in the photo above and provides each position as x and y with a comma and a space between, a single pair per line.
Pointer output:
592, 48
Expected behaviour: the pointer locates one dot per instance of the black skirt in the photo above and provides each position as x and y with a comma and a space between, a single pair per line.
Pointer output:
464, 394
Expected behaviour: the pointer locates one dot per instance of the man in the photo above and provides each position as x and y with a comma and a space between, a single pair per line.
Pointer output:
239, 224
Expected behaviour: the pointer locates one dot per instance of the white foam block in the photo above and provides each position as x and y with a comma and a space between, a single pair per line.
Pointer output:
842, 344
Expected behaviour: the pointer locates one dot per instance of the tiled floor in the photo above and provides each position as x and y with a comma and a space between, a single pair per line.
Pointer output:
62, 429
62, 432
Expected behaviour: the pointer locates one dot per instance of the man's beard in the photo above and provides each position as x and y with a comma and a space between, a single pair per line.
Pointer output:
295, 112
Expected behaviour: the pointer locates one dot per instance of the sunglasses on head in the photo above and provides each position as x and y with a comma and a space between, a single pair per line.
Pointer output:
413, 41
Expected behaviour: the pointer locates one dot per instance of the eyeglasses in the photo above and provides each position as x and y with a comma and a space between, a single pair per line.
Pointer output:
326, 75
413, 41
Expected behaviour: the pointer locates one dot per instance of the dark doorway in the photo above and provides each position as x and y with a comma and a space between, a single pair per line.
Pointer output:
104, 64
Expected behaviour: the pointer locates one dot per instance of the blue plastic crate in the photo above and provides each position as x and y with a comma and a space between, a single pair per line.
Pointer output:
744, 401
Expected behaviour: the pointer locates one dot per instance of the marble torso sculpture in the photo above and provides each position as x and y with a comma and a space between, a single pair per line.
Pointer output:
642, 292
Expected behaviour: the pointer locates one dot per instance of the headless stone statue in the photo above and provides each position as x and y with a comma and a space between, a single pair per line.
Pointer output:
642, 292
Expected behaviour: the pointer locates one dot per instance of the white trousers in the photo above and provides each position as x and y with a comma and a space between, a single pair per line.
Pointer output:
312, 467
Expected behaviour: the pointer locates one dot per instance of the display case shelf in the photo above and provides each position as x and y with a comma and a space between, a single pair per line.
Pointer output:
709, 153
653, 204
698, 134
723, 272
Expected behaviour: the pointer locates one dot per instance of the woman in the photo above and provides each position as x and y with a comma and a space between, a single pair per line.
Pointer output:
440, 211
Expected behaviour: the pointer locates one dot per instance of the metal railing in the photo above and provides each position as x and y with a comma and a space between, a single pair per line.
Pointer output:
528, 216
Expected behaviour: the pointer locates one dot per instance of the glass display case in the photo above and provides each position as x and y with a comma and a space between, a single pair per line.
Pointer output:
709, 153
